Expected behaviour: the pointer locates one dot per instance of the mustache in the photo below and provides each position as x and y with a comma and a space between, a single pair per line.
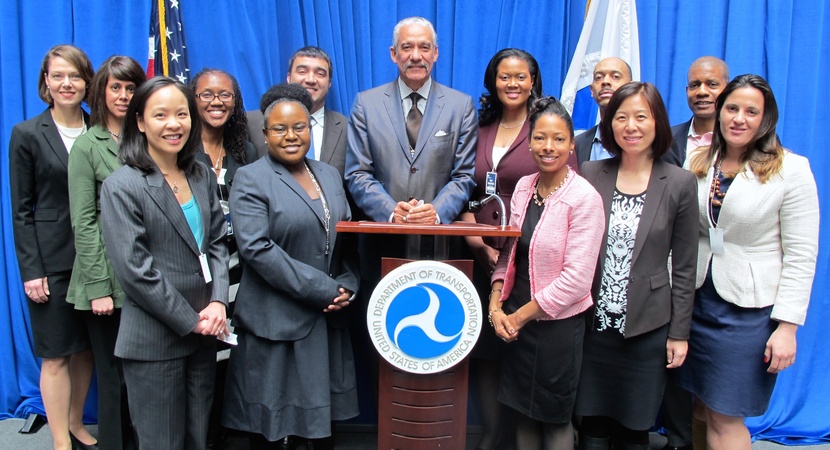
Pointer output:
409, 65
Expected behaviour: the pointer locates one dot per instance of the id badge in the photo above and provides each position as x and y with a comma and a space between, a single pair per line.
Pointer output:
203, 261
490, 183
221, 178
716, 240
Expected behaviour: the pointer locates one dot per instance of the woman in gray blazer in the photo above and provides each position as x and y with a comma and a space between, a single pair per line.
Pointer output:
38, 157
757, 253
293, 370
164, 232
640, 324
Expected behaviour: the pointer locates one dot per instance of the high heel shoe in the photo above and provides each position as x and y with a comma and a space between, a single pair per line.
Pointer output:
78, 445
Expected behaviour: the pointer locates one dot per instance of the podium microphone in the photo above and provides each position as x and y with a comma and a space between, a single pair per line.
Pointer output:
476, 205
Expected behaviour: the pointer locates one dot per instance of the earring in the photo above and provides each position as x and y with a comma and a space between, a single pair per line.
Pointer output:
571, 152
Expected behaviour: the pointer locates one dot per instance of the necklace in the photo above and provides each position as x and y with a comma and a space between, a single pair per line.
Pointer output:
114, 136
67, 135
715, 194
175, 186
326, 212
510, 127
537, 196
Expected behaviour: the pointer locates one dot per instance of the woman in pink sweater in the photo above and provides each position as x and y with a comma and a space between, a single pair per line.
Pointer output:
542, 284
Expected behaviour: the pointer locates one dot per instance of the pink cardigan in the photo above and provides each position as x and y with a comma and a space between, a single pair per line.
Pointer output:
563, 249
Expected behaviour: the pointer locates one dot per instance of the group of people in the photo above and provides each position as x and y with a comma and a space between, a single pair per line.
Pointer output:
625, 284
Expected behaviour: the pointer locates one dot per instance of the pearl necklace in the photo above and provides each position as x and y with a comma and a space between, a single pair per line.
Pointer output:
67, 135
537, 196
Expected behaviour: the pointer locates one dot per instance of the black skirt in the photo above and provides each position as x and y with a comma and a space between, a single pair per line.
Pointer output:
623, 378
58, 328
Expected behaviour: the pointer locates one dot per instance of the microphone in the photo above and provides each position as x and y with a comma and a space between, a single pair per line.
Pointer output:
476, 205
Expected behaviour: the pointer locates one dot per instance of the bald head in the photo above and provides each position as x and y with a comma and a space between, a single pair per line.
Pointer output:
707, 78
609, 75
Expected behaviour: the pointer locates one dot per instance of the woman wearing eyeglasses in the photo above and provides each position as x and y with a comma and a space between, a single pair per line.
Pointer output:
293, 370
225, 142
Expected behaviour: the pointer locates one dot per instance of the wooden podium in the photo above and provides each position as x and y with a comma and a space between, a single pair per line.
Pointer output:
424, 411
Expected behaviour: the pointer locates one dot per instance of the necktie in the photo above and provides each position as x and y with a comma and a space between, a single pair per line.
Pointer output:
413, 120
310, 154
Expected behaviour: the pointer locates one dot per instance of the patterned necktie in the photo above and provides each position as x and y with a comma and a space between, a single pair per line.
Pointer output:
413, 120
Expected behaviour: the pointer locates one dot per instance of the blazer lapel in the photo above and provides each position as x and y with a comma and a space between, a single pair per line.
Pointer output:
432, 112
110, 147
654, 197
332, 133
392, 103
53, 137
161, 194
605, 185
286, 178
201, 194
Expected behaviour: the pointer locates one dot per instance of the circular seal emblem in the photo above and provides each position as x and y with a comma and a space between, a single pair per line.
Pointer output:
424, 317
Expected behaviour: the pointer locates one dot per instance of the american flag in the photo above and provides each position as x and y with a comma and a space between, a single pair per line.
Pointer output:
168, 52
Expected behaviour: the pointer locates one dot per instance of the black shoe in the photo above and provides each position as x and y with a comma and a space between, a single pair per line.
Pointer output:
670, 447
594, 443
78, 445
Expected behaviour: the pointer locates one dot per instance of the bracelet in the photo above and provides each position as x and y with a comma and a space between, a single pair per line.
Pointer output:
490, 316
494, 290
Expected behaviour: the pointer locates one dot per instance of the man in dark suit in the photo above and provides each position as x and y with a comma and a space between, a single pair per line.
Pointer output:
609, 74
411, 142
707, 77
311, 67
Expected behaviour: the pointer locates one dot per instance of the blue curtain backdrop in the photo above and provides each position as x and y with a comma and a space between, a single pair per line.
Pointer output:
253, 39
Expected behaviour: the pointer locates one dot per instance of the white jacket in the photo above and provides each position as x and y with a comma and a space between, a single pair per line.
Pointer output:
770, 234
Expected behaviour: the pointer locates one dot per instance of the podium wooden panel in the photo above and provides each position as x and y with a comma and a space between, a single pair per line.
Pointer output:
423, 411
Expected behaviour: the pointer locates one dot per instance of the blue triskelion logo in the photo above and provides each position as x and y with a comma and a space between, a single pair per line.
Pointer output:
424, 317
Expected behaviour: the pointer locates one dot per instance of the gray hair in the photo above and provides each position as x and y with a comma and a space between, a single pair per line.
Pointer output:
414, 20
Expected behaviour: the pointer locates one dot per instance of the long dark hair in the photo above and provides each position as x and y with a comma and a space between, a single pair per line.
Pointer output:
235, 132
121, 68
764, 154
133, 150
663, 138
491, 106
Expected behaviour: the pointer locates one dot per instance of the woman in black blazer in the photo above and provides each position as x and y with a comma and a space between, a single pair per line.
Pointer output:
225, 143
642, 314
38, 157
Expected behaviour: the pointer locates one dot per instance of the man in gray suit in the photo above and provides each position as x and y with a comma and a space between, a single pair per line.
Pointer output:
411, 142
311, 67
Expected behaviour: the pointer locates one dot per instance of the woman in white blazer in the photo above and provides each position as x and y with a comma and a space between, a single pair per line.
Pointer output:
757, 251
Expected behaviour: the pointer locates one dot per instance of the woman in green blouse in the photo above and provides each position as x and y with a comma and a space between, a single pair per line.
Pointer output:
93, 287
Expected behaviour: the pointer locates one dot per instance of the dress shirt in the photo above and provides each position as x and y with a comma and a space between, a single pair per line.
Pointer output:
318, 124
598, 152
694, 140
406, 100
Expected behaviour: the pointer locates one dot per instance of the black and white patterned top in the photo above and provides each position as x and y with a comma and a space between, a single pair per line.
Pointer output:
622, 229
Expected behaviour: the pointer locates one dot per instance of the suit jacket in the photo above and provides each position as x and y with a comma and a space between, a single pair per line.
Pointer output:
379, 168
334, 138
667, 227
156, 259
583, 144
770, 239
93, 158
288, 278
38, 176
585, 141
680, 133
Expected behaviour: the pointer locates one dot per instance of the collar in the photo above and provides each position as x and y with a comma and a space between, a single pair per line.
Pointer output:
693, 133
320, 115
406, 90
597, 136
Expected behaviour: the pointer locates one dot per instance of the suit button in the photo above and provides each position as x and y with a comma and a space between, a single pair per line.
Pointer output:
496, 215
413, 170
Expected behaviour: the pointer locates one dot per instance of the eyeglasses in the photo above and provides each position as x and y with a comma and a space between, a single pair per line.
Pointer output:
280, 130
208, 97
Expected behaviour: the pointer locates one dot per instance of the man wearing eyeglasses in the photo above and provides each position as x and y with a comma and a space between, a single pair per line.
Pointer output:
311, 68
